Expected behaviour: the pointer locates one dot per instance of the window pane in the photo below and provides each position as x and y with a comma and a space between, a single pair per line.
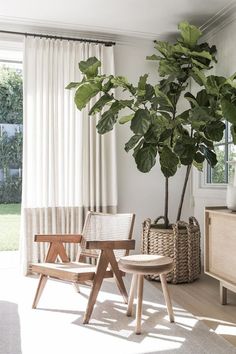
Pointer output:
218, 173
232, 156
229, 133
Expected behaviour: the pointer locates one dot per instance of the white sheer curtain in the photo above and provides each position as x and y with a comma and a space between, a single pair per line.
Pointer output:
67, 167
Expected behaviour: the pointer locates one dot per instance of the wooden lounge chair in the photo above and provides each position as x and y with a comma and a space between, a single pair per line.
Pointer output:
105, 237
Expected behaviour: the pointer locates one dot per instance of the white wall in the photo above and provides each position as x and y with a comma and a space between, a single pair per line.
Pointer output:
142, 193
224, 39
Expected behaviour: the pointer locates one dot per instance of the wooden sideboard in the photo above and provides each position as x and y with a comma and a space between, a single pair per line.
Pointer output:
220, 248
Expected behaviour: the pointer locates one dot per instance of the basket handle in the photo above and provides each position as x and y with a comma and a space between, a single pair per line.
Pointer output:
145, 236
193, 221
166, 220
147, 223
180, 224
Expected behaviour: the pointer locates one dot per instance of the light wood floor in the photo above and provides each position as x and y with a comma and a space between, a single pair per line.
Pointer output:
201, 298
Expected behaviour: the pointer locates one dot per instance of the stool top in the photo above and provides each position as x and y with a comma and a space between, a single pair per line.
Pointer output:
146, 264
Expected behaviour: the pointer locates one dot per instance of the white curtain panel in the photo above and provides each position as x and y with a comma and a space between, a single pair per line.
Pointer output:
68, 168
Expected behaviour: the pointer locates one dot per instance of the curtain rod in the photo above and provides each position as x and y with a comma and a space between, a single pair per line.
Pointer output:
108, 44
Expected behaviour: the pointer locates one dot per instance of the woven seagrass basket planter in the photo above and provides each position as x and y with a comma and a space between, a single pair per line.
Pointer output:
181, 242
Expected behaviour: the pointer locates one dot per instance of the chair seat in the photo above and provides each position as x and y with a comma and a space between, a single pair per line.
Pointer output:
70, 271
146, 264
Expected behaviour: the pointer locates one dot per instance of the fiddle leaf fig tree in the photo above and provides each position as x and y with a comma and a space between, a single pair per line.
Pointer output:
161, 130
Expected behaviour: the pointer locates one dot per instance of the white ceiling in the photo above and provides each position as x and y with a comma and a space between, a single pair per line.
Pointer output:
144, 19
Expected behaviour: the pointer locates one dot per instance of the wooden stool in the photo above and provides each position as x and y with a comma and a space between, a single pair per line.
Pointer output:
140, 265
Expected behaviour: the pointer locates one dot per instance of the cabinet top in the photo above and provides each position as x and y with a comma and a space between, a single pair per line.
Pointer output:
220, 210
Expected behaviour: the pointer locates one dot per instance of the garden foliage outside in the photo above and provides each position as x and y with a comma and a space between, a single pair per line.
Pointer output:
11, 115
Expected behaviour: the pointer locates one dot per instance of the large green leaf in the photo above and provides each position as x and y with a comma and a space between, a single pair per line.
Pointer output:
73, 85
200, 117
132, 142
98, 106
180, 49
121, 81
163, 99
160, 126
108, 85
145, 158
141, 122
85, 92
109, 118
189, 33
153, 57
215, 130
166, 134
202, 98
209, 155
198, 76
231, 82
199, 157
168, 68
161, 121
206, 47
126, 119
146, 94
214, 83
169, 162
200, 136
126, 103
152, 135
165, 48
142, 82
185, 149
228, 110
183, 117
199, 64
198, 165
191, 99
204, 54
90, 67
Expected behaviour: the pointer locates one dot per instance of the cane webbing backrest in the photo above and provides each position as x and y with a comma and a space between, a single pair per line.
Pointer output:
106, 227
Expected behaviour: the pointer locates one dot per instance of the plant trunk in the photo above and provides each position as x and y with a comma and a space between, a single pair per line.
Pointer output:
183, 192
166, 224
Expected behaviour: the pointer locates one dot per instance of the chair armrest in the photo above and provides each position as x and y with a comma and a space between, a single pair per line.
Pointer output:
58, 238
118, 245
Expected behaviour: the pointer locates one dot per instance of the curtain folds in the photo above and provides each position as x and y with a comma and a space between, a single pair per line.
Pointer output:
67, 167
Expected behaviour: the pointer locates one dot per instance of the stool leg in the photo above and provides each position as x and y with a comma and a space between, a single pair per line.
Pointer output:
167, 297
131, 295
223, 295
139, 304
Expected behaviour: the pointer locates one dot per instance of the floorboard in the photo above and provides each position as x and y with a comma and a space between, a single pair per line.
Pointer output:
202, 299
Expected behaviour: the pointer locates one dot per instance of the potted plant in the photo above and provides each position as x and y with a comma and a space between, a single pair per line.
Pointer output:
161, 131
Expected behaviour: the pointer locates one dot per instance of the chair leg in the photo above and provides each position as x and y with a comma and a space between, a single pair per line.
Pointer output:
42, 282
76, 287
97, 282
131, 295
139, 304
167, 297
118, 277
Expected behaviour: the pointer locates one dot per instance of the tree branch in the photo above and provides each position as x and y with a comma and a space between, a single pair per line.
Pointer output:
183, 192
